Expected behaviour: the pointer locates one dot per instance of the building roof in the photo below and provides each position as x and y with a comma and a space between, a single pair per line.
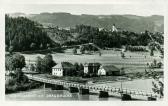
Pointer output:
109, 68
92, 64
59, 65
64, 65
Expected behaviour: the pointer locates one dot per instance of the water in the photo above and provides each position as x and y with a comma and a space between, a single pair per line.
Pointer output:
48, 94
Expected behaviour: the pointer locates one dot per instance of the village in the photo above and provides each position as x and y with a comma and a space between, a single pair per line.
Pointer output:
85, 60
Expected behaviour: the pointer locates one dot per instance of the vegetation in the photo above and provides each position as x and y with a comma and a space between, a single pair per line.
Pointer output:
45, 65
158, 85
128, 22
105, 38
12, 62
122, 55
16, 80
22, 34
74, 51
135, 48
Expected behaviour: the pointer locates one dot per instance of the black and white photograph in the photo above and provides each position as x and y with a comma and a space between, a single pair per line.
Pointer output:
84, 52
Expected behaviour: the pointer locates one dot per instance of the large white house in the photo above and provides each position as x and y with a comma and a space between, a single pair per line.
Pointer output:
57, 70
63, 69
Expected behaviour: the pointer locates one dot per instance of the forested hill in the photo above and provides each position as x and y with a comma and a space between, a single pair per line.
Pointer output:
132, 23
22, 34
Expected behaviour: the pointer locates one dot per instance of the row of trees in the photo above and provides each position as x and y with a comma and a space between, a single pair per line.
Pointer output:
135, 48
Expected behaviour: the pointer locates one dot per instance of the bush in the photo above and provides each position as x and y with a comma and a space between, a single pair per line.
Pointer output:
21, 87
12, 82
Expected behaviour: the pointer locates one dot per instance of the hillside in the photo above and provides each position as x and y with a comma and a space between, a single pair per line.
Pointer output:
86, 29
22, 34
133, 23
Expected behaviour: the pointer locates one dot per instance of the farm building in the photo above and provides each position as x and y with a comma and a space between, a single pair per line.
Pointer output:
63, 69
108, 70
91, 68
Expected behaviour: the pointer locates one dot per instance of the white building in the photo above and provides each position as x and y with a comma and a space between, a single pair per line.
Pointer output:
57, 70
114, 29
101, 71
108, 70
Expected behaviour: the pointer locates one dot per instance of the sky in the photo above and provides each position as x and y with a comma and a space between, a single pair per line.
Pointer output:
142, 9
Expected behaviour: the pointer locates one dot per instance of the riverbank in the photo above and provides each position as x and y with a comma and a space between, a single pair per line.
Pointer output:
21, 87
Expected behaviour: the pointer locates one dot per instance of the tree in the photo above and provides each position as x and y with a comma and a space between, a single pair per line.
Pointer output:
151, 52
155, 62
158, 86
41, 46
11, 49
6, 47
12, 62
76, 65
32, 67
32, 46
9, 62
159, 64
74, 51
48, 46
122, 55
18, 61
81, 70
82, 49
39, 64
20, 77
47, 64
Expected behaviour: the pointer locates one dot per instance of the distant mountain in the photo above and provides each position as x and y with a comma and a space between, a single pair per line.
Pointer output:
19, 14
134, 23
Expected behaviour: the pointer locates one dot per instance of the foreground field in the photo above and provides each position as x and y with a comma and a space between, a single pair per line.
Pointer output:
133, 62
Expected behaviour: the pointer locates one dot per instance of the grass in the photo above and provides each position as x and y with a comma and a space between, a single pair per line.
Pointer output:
136, 63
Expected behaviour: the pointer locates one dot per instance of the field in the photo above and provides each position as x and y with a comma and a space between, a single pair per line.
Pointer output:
133, 62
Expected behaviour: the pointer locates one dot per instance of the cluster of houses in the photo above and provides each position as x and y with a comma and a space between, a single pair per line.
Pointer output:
67, 69
89, 68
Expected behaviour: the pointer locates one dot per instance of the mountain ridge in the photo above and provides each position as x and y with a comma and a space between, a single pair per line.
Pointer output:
135, 23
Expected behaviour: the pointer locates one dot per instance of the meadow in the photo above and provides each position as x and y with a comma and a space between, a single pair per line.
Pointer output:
133, 62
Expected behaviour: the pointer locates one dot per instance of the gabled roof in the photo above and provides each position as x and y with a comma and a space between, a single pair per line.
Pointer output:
59, 65
64, 65
92, 64
109, 68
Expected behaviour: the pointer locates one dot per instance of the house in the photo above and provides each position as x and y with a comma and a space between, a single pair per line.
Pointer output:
108, 70
57, 70
63, 69
91, 68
